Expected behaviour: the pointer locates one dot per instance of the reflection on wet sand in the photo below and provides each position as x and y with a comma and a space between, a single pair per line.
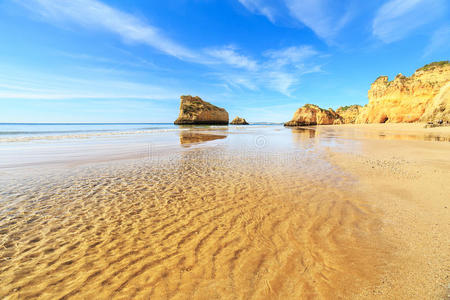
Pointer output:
328, 132
304, 137
189, 137
413, 137
303, 133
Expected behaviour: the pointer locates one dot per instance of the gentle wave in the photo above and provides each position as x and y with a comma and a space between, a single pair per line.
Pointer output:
10, 133
84, 136
66, 131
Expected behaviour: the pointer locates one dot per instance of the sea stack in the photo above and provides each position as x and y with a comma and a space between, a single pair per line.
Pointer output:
422, 97
239, 121
195, 111
311, 114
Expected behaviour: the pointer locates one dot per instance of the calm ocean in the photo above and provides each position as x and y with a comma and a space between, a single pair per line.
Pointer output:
10, 132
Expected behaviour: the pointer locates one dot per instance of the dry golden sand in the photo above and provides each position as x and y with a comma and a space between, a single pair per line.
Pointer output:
227, 222
409, 180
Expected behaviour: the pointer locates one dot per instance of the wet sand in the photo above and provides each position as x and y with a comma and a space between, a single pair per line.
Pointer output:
254, 213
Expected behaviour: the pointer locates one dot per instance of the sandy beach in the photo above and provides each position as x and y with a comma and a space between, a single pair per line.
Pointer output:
261, 212
232, 150
409, 181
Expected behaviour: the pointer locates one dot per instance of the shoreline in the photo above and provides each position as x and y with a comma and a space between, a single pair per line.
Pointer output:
398, 127
401, 128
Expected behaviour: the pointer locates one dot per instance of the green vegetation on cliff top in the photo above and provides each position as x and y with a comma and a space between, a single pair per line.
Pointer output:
344, 108
309, 105
434, 65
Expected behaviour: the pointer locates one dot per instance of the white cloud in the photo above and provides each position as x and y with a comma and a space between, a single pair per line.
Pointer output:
283, 81
325, 17
285, 67
260, 7
235, 80
230, 56
294, 55
439, 42
396, 19
99, 16
278, 70
95, 15
23, 84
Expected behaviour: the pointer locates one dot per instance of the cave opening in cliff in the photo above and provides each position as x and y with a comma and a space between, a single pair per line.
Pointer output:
384, 119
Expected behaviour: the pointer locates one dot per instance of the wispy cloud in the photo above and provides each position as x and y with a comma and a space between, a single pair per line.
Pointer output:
23, 84
293, 56
396, 19
393, 21
132, 61
239, 80
279, 70
283, 81
439, 42
325, 17
286, 66
230, 56
96, 15
262, 7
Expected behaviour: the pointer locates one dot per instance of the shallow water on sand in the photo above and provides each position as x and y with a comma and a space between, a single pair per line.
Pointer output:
202, 213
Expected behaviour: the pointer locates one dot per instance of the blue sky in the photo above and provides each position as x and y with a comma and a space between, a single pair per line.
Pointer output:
129, 61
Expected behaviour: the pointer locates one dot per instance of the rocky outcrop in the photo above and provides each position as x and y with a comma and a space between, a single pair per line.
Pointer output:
311, 114
439, 109
239, 121
193, 110
421, 97
349, 113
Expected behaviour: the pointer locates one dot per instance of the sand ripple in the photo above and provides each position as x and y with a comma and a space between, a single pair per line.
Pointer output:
201, 226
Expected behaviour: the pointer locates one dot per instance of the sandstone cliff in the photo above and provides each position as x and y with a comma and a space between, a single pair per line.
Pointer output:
439, 108
193, 110
239, 121
311, 114
421, 97
349, 113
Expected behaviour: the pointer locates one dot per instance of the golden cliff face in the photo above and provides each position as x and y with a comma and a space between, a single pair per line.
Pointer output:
439, 108
311, 114
193, 110
406, 99
349, 113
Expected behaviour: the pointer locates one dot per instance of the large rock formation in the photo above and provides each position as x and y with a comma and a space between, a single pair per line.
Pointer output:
239, 121
421, 97
193, 110
311, 114
439, 109
349, 113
